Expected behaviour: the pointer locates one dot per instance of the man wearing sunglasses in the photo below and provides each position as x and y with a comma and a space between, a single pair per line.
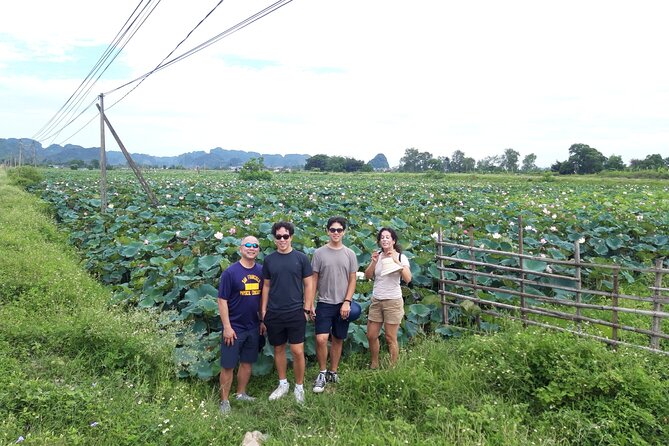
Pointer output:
239, 296
334, 266
287, 304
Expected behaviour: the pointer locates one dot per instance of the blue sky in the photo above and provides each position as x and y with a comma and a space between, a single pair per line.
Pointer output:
351, 78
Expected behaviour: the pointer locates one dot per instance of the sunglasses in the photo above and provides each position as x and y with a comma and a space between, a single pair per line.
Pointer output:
333, 230
284, 236
251, 245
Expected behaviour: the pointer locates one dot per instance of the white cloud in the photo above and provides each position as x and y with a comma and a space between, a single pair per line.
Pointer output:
358, 78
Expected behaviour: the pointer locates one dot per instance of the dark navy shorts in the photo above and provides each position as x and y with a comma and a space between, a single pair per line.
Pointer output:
286, 327
244, 349
328, 320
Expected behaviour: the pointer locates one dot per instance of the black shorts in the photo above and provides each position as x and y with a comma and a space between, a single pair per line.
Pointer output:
286, 327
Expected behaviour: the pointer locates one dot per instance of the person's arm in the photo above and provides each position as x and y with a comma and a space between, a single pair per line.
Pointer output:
369, 271
346, 306
229, 334
263, 304
309, 295
406, 270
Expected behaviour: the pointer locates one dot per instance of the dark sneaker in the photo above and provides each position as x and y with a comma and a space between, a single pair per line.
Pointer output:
319, 384
332, 377
244, 397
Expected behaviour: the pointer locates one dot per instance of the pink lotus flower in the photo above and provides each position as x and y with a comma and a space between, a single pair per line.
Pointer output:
232, 231
218, 235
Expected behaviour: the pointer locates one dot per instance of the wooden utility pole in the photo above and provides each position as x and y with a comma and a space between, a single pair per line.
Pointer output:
103, 157
131, 162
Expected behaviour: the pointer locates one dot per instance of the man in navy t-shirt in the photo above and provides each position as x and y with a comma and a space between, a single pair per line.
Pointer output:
287, 304
239, 296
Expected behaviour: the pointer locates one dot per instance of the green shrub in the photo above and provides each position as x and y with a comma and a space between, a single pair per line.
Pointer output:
24, 176
254, 170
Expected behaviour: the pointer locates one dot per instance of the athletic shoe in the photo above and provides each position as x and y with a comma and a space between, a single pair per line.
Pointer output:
225, 407
244, 397
299, 395
279, 391
332, 377
319, 384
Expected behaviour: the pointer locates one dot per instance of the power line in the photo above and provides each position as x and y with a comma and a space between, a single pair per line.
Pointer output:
132, 24
244, 23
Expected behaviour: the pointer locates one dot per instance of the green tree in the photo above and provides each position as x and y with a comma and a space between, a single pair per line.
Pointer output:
509, 160
414, 161
317, 162
445, 163
493, 163
586, 159
457, 161
529, 163
468, 164
614, 162
254, 169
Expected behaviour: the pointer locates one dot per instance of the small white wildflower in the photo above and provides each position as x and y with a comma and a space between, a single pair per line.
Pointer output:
218, 235
459, 219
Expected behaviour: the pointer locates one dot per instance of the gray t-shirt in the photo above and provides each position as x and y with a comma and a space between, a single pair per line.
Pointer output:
334, 267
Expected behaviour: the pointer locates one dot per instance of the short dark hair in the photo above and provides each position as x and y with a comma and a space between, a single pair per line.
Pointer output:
288, 226
340, 220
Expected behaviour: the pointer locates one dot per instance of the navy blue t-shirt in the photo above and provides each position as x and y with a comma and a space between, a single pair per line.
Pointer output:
242, 288
286, 273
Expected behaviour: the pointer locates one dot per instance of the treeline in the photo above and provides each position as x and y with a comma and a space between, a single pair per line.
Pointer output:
417, 161
325, 163
584, 159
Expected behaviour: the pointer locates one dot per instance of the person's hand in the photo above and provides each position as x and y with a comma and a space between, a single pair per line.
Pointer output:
229, 336
263, 329
345, 310
375, 256
395, 255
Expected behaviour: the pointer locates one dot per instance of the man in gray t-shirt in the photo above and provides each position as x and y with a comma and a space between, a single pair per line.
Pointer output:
334, 266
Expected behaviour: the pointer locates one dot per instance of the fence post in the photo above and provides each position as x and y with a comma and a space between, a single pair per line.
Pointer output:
473, 268
442, 286
614, 304
577, 274
657, 305
523, 313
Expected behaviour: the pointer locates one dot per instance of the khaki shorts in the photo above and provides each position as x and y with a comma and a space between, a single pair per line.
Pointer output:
390, 311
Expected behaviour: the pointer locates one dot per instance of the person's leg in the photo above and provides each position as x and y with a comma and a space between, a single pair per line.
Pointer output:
336, 347
243, 377
322, 350
225, 380
391, 339
297, 350
373, 331
280, 360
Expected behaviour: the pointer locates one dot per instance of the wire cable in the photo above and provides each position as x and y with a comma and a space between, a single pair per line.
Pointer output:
132, 25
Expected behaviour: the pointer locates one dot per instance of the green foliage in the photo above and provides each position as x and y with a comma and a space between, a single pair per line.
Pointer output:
24, 176
254, 170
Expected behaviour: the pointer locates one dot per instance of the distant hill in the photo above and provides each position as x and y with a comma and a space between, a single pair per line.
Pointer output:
217, 158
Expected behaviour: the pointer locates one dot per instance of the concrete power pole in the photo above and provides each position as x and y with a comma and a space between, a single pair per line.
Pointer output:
103, 157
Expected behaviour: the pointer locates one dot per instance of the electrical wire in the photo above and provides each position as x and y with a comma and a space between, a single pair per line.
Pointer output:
132, 25
244, 23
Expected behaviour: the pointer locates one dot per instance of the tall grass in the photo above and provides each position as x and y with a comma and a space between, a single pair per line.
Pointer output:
75, 371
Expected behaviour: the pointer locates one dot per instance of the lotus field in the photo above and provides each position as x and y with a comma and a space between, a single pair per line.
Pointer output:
169, 258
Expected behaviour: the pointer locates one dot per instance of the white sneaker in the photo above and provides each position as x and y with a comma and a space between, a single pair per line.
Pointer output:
279, 392
299, 395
